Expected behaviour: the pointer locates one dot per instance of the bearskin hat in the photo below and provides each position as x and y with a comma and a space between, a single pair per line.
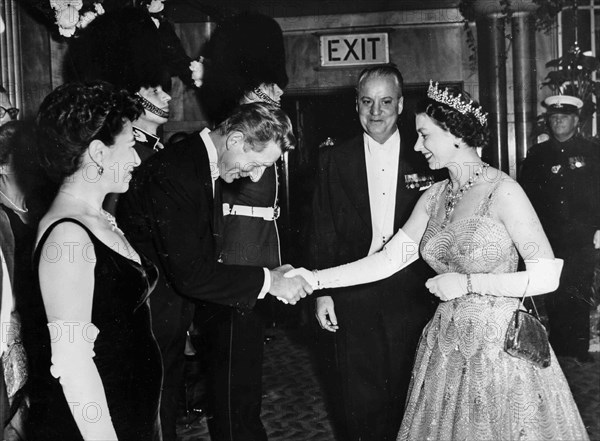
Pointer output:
244, 51
122, 47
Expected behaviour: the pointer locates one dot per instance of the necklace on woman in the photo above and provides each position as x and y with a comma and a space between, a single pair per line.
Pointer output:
15, 206
105, 214
112, 221
452, 199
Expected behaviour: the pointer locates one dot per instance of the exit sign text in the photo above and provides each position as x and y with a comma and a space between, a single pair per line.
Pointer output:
354, 49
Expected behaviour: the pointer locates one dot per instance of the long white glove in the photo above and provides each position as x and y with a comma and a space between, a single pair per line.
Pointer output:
543, 276
397, 254
72, 345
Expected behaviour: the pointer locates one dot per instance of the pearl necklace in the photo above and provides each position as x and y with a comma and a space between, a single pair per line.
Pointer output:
15, 206
105, 214
112, 221
452, 199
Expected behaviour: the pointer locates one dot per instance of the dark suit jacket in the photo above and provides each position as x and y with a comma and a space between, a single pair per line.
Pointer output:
342, 229
168, 213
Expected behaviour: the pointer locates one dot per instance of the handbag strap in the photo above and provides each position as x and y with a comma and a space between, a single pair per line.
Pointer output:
532, 302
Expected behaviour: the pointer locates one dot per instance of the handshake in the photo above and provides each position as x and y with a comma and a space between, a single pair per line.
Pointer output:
290, 285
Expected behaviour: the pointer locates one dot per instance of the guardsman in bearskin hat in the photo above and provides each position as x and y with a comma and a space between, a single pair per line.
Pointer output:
124, 47
562, 179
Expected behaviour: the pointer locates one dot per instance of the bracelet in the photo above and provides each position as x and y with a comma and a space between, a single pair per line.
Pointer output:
469, 286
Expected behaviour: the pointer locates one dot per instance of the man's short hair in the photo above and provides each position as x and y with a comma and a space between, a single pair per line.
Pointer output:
260, 123
381, 71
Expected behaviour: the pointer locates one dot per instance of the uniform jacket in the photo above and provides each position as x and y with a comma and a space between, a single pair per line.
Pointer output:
562, 180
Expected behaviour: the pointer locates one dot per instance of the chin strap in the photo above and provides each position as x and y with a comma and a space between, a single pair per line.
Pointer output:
264, 97
151, 107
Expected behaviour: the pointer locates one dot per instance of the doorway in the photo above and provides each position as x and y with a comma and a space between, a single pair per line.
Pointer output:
328, 117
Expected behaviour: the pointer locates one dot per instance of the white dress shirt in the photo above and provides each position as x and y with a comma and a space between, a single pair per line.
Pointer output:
213, 159
382, 175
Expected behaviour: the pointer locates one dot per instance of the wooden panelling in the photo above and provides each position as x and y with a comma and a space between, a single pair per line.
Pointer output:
437, 51
186, 110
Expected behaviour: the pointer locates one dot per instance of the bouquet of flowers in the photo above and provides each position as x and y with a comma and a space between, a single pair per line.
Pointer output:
73, 14
67, 15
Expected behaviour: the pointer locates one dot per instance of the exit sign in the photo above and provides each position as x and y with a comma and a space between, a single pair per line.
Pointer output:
354, 49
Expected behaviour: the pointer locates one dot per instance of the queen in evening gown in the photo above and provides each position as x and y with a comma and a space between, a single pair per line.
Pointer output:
471, 229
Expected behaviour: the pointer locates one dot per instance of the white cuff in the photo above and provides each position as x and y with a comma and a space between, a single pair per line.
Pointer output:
266, 285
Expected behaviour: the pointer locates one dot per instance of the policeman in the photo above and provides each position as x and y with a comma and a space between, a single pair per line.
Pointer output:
561, 176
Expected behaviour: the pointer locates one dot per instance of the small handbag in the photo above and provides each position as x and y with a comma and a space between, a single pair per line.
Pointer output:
526, 336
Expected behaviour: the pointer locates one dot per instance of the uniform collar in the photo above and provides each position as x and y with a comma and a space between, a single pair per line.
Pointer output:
144, 137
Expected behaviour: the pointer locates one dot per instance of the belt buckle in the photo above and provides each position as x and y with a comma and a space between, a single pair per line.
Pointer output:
276, 212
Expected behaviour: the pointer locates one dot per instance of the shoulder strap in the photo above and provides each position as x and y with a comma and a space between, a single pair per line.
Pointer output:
434, 197
44, 237
483, 208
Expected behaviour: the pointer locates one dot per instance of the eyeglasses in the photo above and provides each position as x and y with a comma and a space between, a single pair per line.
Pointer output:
12, 112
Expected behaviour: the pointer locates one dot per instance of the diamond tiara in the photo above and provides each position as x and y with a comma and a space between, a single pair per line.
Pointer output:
445, 97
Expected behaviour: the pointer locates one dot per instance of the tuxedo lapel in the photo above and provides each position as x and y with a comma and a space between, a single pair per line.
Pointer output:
400, 187
352, 168
215, 206
217, 217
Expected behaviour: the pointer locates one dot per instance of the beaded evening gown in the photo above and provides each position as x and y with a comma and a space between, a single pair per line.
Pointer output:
126, 353
464, 386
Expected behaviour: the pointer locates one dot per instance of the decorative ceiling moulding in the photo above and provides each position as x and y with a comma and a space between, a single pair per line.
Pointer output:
395, 19
484, 8
544, 12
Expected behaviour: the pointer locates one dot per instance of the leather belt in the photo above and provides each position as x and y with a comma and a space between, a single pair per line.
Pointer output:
267, 213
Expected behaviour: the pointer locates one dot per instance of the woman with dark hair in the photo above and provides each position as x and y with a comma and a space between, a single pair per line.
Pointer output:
95, 366
470, 229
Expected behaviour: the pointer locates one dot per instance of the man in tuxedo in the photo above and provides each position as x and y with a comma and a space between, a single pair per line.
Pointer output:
366, 190
170, 214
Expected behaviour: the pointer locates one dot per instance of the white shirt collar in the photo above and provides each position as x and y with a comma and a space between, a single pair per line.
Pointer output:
213, 157
392, 143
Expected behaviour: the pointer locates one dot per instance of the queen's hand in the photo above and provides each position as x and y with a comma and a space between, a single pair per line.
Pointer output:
447, 286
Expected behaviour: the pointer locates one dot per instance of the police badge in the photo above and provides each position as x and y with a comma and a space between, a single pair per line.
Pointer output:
576, 162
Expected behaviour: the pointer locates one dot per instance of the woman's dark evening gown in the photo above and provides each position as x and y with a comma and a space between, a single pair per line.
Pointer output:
127, 356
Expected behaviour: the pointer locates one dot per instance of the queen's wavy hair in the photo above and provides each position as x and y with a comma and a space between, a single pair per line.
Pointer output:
465, 126
260, 123
75, 114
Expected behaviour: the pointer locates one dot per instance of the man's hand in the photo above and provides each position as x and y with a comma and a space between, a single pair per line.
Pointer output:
288, 290
325, 313
309, 276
